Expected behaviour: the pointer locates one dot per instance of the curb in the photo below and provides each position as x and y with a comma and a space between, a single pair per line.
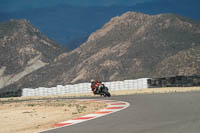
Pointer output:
112, 107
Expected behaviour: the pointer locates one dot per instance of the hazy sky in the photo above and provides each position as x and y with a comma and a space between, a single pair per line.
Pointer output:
16, 5
53, 15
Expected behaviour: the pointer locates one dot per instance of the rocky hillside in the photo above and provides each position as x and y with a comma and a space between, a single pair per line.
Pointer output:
23, 50
130, 46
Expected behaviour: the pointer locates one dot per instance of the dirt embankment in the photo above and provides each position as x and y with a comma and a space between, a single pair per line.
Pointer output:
34, 116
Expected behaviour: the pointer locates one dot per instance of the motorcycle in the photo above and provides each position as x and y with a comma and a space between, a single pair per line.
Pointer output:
102, 90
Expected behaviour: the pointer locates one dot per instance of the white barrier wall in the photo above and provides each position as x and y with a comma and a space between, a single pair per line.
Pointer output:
85, 88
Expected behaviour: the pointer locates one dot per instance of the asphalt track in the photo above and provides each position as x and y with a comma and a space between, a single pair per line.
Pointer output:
156, 113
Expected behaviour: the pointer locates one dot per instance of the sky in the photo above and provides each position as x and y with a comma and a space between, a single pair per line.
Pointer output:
60, 19
16, 5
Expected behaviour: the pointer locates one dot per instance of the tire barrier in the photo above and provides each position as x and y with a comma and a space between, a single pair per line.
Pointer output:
74, 89
177, 81
10, 93
82, 88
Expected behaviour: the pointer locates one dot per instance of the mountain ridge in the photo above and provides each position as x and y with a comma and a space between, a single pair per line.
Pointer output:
60, 22
134, 45
23, 50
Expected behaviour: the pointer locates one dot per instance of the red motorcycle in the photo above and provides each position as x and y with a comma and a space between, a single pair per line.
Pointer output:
102, 90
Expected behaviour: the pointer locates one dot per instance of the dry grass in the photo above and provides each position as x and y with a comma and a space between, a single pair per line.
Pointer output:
33, 116
48, 97
156, 90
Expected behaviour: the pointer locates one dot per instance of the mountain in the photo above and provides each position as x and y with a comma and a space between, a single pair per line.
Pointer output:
133, 45
186, 62
66, 21
23, 50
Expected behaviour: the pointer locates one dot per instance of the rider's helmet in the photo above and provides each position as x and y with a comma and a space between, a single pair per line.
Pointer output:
92, 80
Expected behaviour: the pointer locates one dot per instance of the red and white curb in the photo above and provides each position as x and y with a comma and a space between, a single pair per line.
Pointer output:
112, 107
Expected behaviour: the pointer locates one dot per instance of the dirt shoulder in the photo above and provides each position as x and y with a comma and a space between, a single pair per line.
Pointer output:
34, 116
156, 90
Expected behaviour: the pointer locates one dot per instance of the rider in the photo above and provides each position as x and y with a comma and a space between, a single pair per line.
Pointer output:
94, 86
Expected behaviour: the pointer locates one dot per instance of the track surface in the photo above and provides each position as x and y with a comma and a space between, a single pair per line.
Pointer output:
157, 113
